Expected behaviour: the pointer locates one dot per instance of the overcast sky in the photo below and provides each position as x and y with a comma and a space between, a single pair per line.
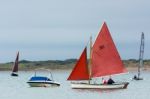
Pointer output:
60, 29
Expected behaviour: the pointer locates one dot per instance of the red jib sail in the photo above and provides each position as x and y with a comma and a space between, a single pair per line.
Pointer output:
80, 71
105, 57
15, 67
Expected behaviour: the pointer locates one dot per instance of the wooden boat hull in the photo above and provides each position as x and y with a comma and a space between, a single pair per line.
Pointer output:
42, 84
99, 86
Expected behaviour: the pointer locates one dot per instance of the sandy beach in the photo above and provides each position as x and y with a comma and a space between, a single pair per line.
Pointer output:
135, 69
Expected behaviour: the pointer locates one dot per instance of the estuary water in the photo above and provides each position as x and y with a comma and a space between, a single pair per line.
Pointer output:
17, 88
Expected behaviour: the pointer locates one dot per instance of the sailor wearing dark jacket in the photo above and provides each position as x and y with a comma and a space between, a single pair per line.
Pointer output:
110, 81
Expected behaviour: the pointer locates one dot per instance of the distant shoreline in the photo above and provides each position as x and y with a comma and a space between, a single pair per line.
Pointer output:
135, 68
130, 69
25, 65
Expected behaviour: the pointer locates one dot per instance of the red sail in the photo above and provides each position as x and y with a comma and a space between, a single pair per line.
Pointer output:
80, 71
15, 67
105, 57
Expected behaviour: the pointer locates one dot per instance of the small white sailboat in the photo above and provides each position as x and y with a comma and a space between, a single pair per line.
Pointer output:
104, 61
15, 66
141, 55
42, 81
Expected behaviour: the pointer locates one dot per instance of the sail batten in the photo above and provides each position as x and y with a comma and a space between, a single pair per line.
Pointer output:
105, 57
80, 71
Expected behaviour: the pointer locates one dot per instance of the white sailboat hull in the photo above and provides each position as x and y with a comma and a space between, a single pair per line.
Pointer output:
43, 83
137, 78
99, 86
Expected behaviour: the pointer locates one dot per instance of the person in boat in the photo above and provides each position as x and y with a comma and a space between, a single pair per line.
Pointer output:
104, 81
110, 81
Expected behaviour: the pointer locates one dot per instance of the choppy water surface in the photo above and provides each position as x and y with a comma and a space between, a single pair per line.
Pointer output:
17, 88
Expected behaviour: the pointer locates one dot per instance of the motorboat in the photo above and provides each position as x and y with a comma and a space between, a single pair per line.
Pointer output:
42, 81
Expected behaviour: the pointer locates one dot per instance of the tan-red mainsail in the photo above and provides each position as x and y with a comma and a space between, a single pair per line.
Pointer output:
105, 57
80, 71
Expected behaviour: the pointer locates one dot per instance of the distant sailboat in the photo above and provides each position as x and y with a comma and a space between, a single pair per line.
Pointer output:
15, 66
104, 61
141, 55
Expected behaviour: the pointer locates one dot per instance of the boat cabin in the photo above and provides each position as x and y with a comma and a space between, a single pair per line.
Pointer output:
40, 78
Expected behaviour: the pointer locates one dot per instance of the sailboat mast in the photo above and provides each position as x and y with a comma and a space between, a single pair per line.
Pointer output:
141, 54
90, 60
